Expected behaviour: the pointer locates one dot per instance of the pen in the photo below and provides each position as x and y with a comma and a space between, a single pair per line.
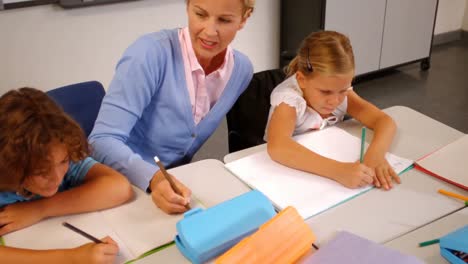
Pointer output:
454, 195
363, 143
169, 179
427, 243
81, 232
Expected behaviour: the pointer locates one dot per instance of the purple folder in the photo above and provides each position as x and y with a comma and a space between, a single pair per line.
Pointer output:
352, 249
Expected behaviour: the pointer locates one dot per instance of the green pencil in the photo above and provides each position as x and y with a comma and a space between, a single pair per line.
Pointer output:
363, 143
427, 243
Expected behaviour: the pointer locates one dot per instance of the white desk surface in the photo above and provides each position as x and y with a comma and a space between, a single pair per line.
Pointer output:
409, 243
377, 215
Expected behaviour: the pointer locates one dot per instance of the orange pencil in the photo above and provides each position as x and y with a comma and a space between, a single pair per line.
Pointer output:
454, 195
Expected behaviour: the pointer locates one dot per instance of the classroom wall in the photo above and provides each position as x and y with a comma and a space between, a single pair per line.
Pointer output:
465, 19
450, 16
47, 46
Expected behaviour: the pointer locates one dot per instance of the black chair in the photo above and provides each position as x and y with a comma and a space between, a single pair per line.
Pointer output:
247, 119
81, 101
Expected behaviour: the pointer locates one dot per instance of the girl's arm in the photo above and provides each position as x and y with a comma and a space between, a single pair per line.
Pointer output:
283, 149
88, 253
384, 130
102, 188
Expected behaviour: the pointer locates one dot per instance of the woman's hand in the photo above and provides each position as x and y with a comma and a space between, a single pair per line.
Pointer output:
166, 198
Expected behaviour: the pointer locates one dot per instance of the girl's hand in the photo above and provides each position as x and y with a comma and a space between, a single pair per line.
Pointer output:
102, 253
166, 198
19, 215
355, 175
384, 173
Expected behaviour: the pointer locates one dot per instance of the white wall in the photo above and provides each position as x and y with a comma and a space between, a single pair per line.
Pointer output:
47, 46
449, 15
465, 20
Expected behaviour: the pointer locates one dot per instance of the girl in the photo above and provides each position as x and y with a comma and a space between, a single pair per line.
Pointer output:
45, 172
318, 93
170, 91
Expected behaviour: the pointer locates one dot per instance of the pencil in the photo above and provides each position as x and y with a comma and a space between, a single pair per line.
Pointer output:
81, 232
169, 179
427, 243
454, 195
363, 143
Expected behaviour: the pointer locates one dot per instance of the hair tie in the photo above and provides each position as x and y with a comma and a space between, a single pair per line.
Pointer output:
309, 65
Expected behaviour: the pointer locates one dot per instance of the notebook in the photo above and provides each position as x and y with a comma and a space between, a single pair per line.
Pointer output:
448, 163
352, 249
310, 194
137, 227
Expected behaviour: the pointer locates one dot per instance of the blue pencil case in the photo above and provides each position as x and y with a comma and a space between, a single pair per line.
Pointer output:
454, 246
204, 234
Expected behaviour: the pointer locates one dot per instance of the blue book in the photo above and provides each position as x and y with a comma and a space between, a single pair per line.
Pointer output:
352, 249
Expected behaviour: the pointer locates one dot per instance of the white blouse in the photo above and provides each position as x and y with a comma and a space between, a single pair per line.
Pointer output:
307, 119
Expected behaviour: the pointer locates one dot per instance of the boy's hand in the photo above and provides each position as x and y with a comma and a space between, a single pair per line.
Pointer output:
19, 215
102, 253
166, 198
355, 175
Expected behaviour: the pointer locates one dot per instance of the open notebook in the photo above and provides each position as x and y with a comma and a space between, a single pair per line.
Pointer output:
308, 193
138, 227
448, 163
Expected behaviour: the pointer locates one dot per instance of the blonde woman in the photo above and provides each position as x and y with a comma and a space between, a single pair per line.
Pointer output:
170, 91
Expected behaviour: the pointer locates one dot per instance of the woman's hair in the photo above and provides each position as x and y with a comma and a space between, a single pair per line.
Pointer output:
325, 52
30, 124
248, 4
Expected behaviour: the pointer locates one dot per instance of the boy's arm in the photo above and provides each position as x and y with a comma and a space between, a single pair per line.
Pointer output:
102, 188
384, 131
283, 149
88, 253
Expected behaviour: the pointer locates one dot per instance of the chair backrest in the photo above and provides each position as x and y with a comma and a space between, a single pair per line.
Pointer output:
81, 101
247, 119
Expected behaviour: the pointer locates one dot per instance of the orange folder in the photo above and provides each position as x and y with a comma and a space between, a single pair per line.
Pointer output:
283, 239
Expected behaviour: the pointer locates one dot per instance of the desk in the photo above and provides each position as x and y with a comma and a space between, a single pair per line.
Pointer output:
430, 254
377, 215
384, 215
211, 183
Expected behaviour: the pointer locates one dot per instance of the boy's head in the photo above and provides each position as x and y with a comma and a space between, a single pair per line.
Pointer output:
324, 68
37, 141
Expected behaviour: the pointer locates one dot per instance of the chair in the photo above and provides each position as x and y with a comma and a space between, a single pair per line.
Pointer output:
246, 121
81, 101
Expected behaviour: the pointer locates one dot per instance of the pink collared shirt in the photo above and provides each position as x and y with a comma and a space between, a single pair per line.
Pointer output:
204, 90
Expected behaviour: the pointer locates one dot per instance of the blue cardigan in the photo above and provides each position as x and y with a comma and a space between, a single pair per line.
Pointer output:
147, 109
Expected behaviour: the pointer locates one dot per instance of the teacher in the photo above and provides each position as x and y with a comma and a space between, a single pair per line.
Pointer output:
170, 91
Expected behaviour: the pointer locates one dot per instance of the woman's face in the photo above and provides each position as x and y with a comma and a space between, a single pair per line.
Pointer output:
46, 184
213, 24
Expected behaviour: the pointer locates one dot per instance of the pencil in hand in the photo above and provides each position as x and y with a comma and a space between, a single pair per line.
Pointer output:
81, 232
169, 179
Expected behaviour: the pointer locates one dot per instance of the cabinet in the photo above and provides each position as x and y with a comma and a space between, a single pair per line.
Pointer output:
383, 33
